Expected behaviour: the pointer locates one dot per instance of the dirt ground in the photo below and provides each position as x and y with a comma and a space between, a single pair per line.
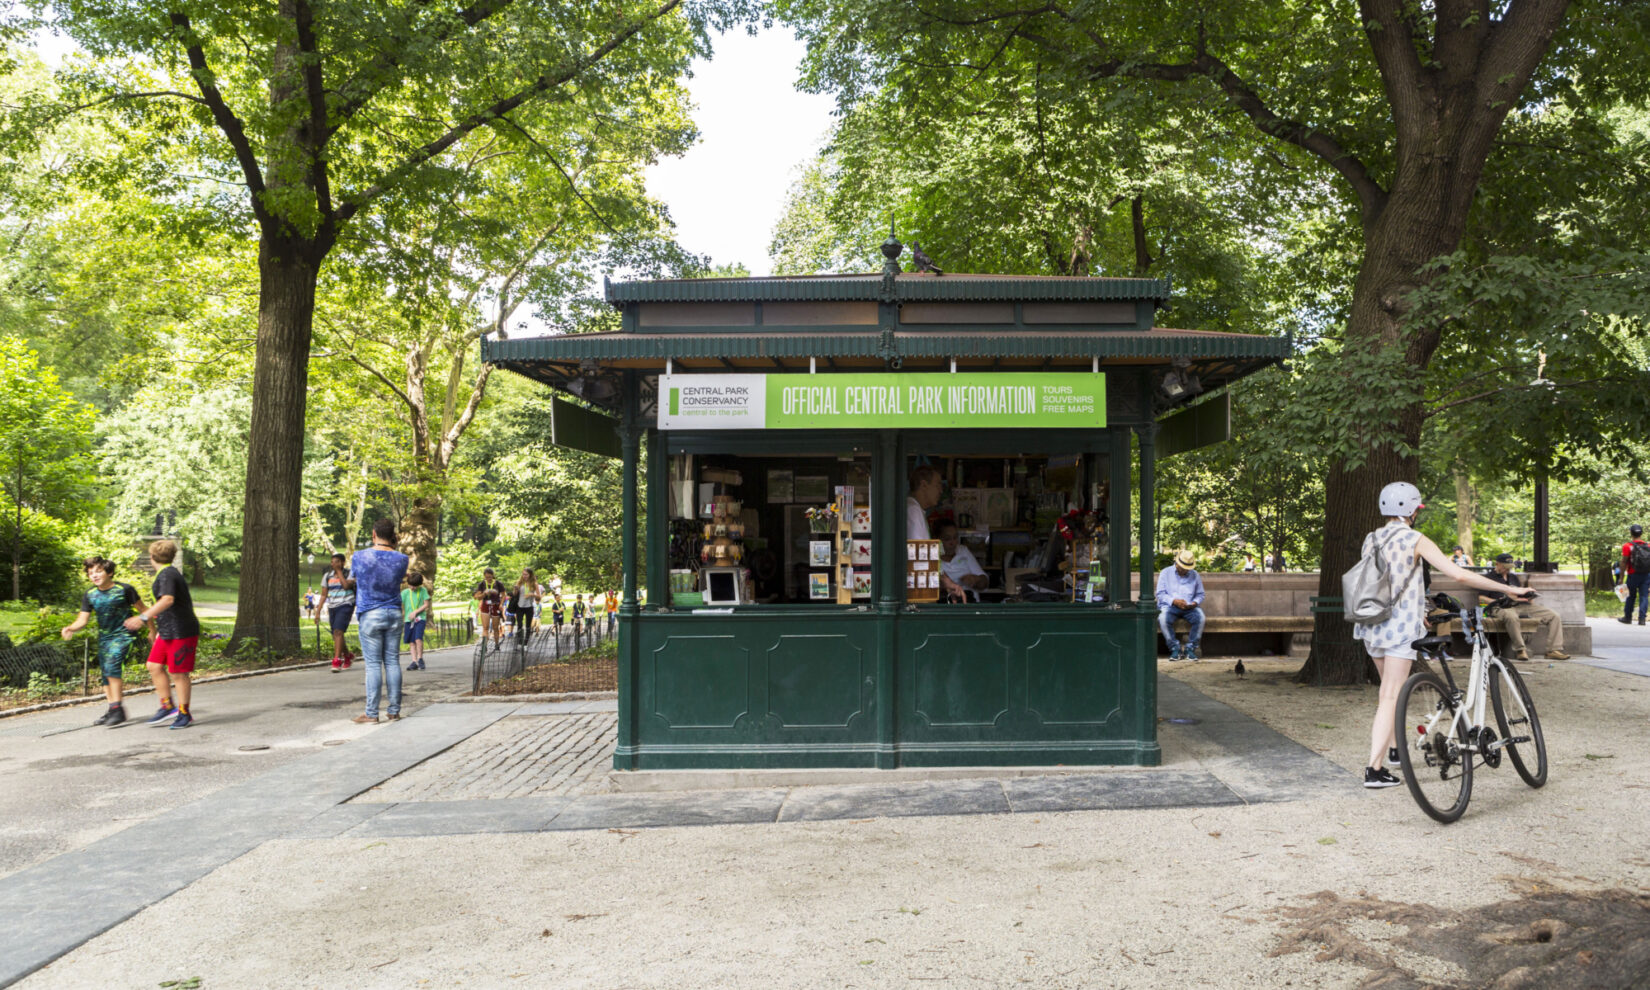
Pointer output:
591, 674
1532, 888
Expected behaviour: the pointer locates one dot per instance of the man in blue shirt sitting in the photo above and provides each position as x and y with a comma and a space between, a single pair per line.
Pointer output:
1180, 596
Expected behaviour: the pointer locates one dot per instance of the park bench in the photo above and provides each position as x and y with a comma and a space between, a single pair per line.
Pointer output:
1250, 634
1232, 634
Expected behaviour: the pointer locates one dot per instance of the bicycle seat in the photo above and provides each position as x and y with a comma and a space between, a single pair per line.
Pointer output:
1431, 644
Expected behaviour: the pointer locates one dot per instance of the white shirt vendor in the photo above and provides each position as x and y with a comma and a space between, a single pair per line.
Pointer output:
961, 565
916, 520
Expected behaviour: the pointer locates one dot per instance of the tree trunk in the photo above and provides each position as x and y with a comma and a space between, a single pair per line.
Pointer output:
1398, 245
17, 542
419, 534
1466, 511
197, 573
274, 475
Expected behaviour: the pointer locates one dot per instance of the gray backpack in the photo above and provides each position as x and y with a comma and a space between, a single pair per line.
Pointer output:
1366, 589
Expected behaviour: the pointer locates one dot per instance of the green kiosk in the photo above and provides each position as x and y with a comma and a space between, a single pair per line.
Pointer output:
890, 518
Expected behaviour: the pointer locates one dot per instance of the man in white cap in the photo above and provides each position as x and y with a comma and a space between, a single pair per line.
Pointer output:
1180, 596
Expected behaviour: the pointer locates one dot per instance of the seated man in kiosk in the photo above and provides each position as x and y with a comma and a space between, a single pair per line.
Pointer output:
957, 564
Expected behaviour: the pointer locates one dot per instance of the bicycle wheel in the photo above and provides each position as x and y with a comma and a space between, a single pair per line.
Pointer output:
1515, 717
1431, 748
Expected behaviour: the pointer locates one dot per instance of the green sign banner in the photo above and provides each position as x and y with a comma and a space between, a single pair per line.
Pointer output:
1007, 400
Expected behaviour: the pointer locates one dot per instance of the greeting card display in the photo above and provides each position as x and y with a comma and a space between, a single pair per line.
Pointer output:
819, 585
862, 584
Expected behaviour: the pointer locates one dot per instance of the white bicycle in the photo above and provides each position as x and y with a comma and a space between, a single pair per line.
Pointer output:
1442, 732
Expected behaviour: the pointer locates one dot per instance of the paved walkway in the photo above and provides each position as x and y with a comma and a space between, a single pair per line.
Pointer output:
457, 768
1619, 647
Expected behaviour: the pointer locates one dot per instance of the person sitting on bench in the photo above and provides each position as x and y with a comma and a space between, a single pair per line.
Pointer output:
1180, 596
1510, 617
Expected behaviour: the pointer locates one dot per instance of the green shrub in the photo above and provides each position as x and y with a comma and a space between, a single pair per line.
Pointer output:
50, 568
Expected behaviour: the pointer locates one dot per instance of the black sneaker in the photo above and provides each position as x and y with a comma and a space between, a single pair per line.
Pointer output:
116, 716
1393, 759
105, 717
1374, 778
1625, 622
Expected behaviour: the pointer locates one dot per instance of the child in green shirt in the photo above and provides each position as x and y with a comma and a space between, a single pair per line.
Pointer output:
415, 611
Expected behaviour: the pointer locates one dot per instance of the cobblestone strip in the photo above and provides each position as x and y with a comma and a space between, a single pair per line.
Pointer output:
519, 756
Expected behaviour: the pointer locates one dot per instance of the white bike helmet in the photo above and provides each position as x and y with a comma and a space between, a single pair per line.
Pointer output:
1400, 499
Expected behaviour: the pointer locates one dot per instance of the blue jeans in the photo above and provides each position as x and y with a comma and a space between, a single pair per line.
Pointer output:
380, 632
1166, 618
1638, 585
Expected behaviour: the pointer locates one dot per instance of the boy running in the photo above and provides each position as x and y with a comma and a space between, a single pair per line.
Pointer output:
172, 654
112, 603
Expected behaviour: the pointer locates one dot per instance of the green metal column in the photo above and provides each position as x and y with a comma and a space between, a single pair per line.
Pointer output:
658, 520
630, 435
888, 486
1146, 683
1148, 501
1118, 567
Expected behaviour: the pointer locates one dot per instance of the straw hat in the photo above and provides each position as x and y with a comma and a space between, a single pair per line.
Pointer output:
1185, 559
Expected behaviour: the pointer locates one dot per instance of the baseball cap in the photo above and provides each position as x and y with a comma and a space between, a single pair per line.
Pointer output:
1503, 558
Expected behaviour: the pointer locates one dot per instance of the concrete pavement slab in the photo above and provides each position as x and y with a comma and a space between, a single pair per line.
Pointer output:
1097, 791
947, 797
460, 817
1256, 762
681, 808
335, 821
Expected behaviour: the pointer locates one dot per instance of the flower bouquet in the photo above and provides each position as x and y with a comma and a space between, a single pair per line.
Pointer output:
821, 519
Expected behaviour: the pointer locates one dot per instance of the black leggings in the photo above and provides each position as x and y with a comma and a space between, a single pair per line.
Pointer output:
521, 623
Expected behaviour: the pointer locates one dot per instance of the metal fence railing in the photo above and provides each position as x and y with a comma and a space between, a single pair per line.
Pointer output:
32, 673
582, 657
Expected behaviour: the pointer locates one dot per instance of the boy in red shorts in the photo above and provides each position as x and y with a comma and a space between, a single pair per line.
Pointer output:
172, 655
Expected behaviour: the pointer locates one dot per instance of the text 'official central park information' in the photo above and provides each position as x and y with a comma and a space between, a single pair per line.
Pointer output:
883, 401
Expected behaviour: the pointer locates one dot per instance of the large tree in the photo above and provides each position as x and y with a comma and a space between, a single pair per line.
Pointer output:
1395, 105
319, 110
516, 232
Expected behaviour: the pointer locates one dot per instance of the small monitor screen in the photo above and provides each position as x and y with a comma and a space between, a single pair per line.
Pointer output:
723, 588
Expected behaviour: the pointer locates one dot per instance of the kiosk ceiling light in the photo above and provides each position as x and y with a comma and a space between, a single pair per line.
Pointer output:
1179, 382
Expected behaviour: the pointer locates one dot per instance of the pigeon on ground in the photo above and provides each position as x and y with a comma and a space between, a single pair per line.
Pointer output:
1238, 670
924, 262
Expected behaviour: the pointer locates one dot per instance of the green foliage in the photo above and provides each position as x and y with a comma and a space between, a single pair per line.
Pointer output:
93, 537
172, 449
45, 463
459, 567
50, 570
560, 505
1251, 494
47, 627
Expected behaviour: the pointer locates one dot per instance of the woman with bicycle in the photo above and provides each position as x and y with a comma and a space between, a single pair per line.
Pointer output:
1388, 642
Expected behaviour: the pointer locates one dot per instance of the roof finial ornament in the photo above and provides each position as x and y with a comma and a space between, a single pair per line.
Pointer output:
891, 250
